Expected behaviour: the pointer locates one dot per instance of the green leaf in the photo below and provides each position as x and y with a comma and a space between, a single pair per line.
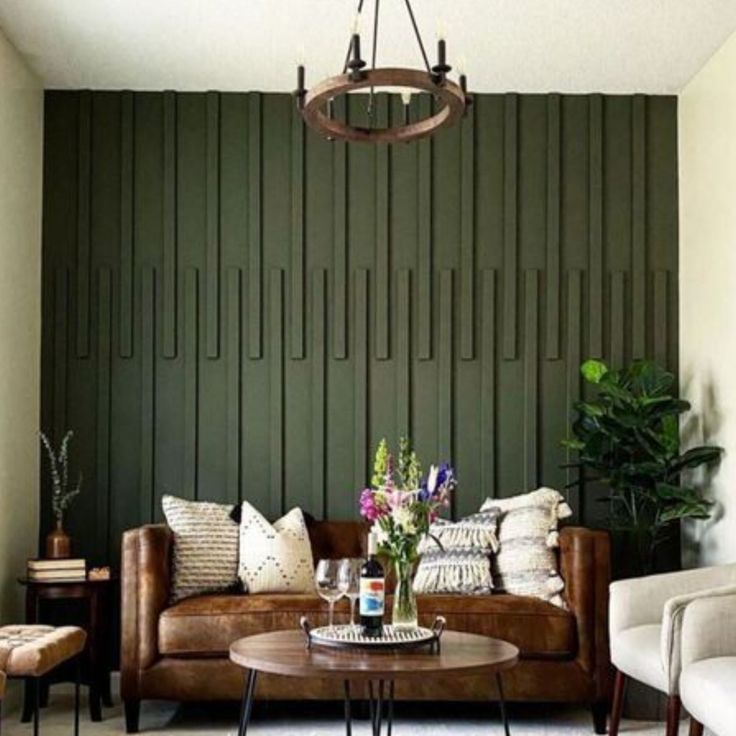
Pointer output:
695, 457
593, 370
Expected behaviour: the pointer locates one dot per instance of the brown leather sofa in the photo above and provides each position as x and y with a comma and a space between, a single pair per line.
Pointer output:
180, 652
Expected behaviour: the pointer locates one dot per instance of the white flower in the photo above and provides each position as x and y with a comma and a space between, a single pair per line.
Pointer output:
432, 478
381, 534
404, 520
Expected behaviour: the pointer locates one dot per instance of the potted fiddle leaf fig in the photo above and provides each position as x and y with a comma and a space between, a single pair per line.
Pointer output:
627, 438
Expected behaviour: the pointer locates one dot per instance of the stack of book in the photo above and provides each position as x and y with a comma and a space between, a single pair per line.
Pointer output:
46, 571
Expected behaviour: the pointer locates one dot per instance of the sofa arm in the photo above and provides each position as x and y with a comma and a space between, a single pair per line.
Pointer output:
145, 583
709, 627
641, 601
585, 566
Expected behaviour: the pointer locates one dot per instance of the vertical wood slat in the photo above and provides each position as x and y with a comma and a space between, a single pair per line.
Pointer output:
360, 350
319, 394
84, 194
595, 228
212, 218
531, 379
572, 379
383, 271
276, 312
340, 240
61, 351
638, 228
255, 255
191, 382
467, 236
661, 326
424, 236
488, 387
104, 409
510, 225
127, 153
553, 229
403, 354
445, 368
169, 226
297, 234
234, 391
618, 295
148, 393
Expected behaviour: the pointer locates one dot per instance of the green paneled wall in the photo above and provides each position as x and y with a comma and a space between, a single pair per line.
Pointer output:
235, 308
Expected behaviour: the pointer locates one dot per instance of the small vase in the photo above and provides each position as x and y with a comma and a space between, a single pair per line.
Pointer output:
58, 543
404, 615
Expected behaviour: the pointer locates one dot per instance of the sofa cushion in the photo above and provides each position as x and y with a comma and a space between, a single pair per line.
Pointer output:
207, 625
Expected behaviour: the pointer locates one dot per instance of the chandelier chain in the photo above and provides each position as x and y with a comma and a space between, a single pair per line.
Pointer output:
418, 35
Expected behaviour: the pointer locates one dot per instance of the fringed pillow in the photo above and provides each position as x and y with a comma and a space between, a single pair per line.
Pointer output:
526, 562
455, 557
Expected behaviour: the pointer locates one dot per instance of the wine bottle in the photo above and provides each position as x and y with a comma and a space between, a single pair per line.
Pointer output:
372, 592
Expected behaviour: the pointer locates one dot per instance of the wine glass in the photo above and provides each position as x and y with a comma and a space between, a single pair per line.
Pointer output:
349, 581
326, 581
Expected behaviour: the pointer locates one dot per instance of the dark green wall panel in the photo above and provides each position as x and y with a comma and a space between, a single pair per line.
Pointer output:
236, 308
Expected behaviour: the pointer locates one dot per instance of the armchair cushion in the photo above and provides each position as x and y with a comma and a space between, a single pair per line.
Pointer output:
707, 689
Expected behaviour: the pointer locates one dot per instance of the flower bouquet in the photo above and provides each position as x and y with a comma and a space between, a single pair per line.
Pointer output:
402, 504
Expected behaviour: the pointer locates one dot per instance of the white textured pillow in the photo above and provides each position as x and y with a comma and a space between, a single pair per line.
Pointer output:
275, 558
526, 562
205, 550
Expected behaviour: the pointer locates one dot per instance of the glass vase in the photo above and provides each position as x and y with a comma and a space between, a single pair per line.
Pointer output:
404, 614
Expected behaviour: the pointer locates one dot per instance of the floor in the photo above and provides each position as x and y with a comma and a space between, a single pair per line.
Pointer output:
163, 719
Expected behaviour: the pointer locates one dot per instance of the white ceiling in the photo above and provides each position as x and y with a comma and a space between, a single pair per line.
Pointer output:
653, 46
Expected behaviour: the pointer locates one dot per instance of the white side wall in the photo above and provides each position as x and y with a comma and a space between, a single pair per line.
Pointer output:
707, 111
21, 128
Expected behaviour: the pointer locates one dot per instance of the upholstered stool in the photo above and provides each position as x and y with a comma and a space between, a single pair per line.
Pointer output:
30, 652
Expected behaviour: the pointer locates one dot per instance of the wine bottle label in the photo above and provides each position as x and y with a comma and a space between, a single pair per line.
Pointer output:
372, 592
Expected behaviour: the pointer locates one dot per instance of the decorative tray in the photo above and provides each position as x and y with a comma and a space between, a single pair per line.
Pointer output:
350, 637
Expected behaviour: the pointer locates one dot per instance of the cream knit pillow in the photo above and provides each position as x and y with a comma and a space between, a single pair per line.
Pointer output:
275, 558
205, 549
526, 562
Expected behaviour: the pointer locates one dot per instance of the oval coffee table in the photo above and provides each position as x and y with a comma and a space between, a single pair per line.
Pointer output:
286, 653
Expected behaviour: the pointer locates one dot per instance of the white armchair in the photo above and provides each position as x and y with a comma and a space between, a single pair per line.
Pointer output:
708, 679
645, 624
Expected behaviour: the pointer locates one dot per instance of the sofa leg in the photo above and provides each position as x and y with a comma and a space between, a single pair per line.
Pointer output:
673, 715
132, 715
600, 713
696, 728
619, 687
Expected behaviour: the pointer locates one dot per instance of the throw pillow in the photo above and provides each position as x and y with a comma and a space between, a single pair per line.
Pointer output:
275, 558
526, 561
456, 556
205, 550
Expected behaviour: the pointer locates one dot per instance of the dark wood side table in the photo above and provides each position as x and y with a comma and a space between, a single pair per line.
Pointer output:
97, 597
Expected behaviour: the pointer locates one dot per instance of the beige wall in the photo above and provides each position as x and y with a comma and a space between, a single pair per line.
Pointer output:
21, 125
707, 110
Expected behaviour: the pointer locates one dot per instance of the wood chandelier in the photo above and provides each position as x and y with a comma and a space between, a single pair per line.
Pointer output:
451, 99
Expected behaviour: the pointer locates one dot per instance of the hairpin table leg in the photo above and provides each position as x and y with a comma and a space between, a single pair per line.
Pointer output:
390, 707
348, 719
247, 706
502, 705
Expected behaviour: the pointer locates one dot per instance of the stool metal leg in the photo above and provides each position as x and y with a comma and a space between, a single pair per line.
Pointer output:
348, 718
77, 680
36, 703
502, 705
247, 708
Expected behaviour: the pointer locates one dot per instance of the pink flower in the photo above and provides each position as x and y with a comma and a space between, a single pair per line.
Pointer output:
369, 509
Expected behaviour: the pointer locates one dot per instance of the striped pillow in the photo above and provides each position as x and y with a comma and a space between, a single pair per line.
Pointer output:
460, 563
526, 562
205, 552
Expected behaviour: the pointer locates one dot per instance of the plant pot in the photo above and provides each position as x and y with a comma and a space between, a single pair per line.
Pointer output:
404, 614
58, 543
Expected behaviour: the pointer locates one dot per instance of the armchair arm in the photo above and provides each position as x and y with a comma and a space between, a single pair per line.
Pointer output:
709, 627
672, 619
586, 569
641, 601
145, 584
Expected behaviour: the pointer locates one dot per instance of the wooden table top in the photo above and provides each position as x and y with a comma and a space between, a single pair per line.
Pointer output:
285, 653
